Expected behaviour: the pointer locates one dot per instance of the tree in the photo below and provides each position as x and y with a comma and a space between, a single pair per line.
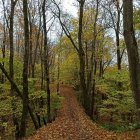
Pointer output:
46, 61
11, 63
25, 71
133, 55
114, 9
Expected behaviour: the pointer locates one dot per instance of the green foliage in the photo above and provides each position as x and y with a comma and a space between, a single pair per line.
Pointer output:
69, 70
37, 95
112, 127
137, 19
117, 76
5, 107
118, 103
18, 66
102, 86
55, 101
68, 63
119, 128
55, 104
6, 111
41, 110
4, 87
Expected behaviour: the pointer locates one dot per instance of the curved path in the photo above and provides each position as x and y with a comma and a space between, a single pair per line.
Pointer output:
73, 124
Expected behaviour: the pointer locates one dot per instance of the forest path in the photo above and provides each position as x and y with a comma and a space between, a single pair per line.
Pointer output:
73, 124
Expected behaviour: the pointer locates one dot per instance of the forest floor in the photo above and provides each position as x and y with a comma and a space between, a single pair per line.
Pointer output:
72, 123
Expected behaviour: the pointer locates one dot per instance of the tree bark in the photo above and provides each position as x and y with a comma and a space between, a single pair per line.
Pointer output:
81, 54
58, 74
133, 56
46, 62
93, 68
118, 36
3, 54
25, 71
11, 66
30, 47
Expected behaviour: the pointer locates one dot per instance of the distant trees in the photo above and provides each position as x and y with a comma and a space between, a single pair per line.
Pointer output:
78, 47
86, 83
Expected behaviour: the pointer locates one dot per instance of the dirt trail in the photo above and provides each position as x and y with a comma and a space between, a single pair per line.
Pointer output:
73, 124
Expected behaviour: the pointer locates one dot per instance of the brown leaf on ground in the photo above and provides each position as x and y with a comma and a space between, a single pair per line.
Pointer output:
73, 124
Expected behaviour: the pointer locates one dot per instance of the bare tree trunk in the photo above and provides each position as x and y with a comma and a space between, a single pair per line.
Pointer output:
93, 63
41, 58
58, 74
3, 54
86, 57
46, 62
118, 37
25, 72
11, 66
101, 71
81, 54
119, 58
133, 56
31, 48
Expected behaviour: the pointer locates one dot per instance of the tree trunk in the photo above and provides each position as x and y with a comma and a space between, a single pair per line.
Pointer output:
3, 55
133, 56
11, 58
92, 100
42, 68
31, 49
25, 72
119, 59
93, 63
118, 37
118, 51
58, 74
81, 53
46, 62
117, 32
11, 67
101, 71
